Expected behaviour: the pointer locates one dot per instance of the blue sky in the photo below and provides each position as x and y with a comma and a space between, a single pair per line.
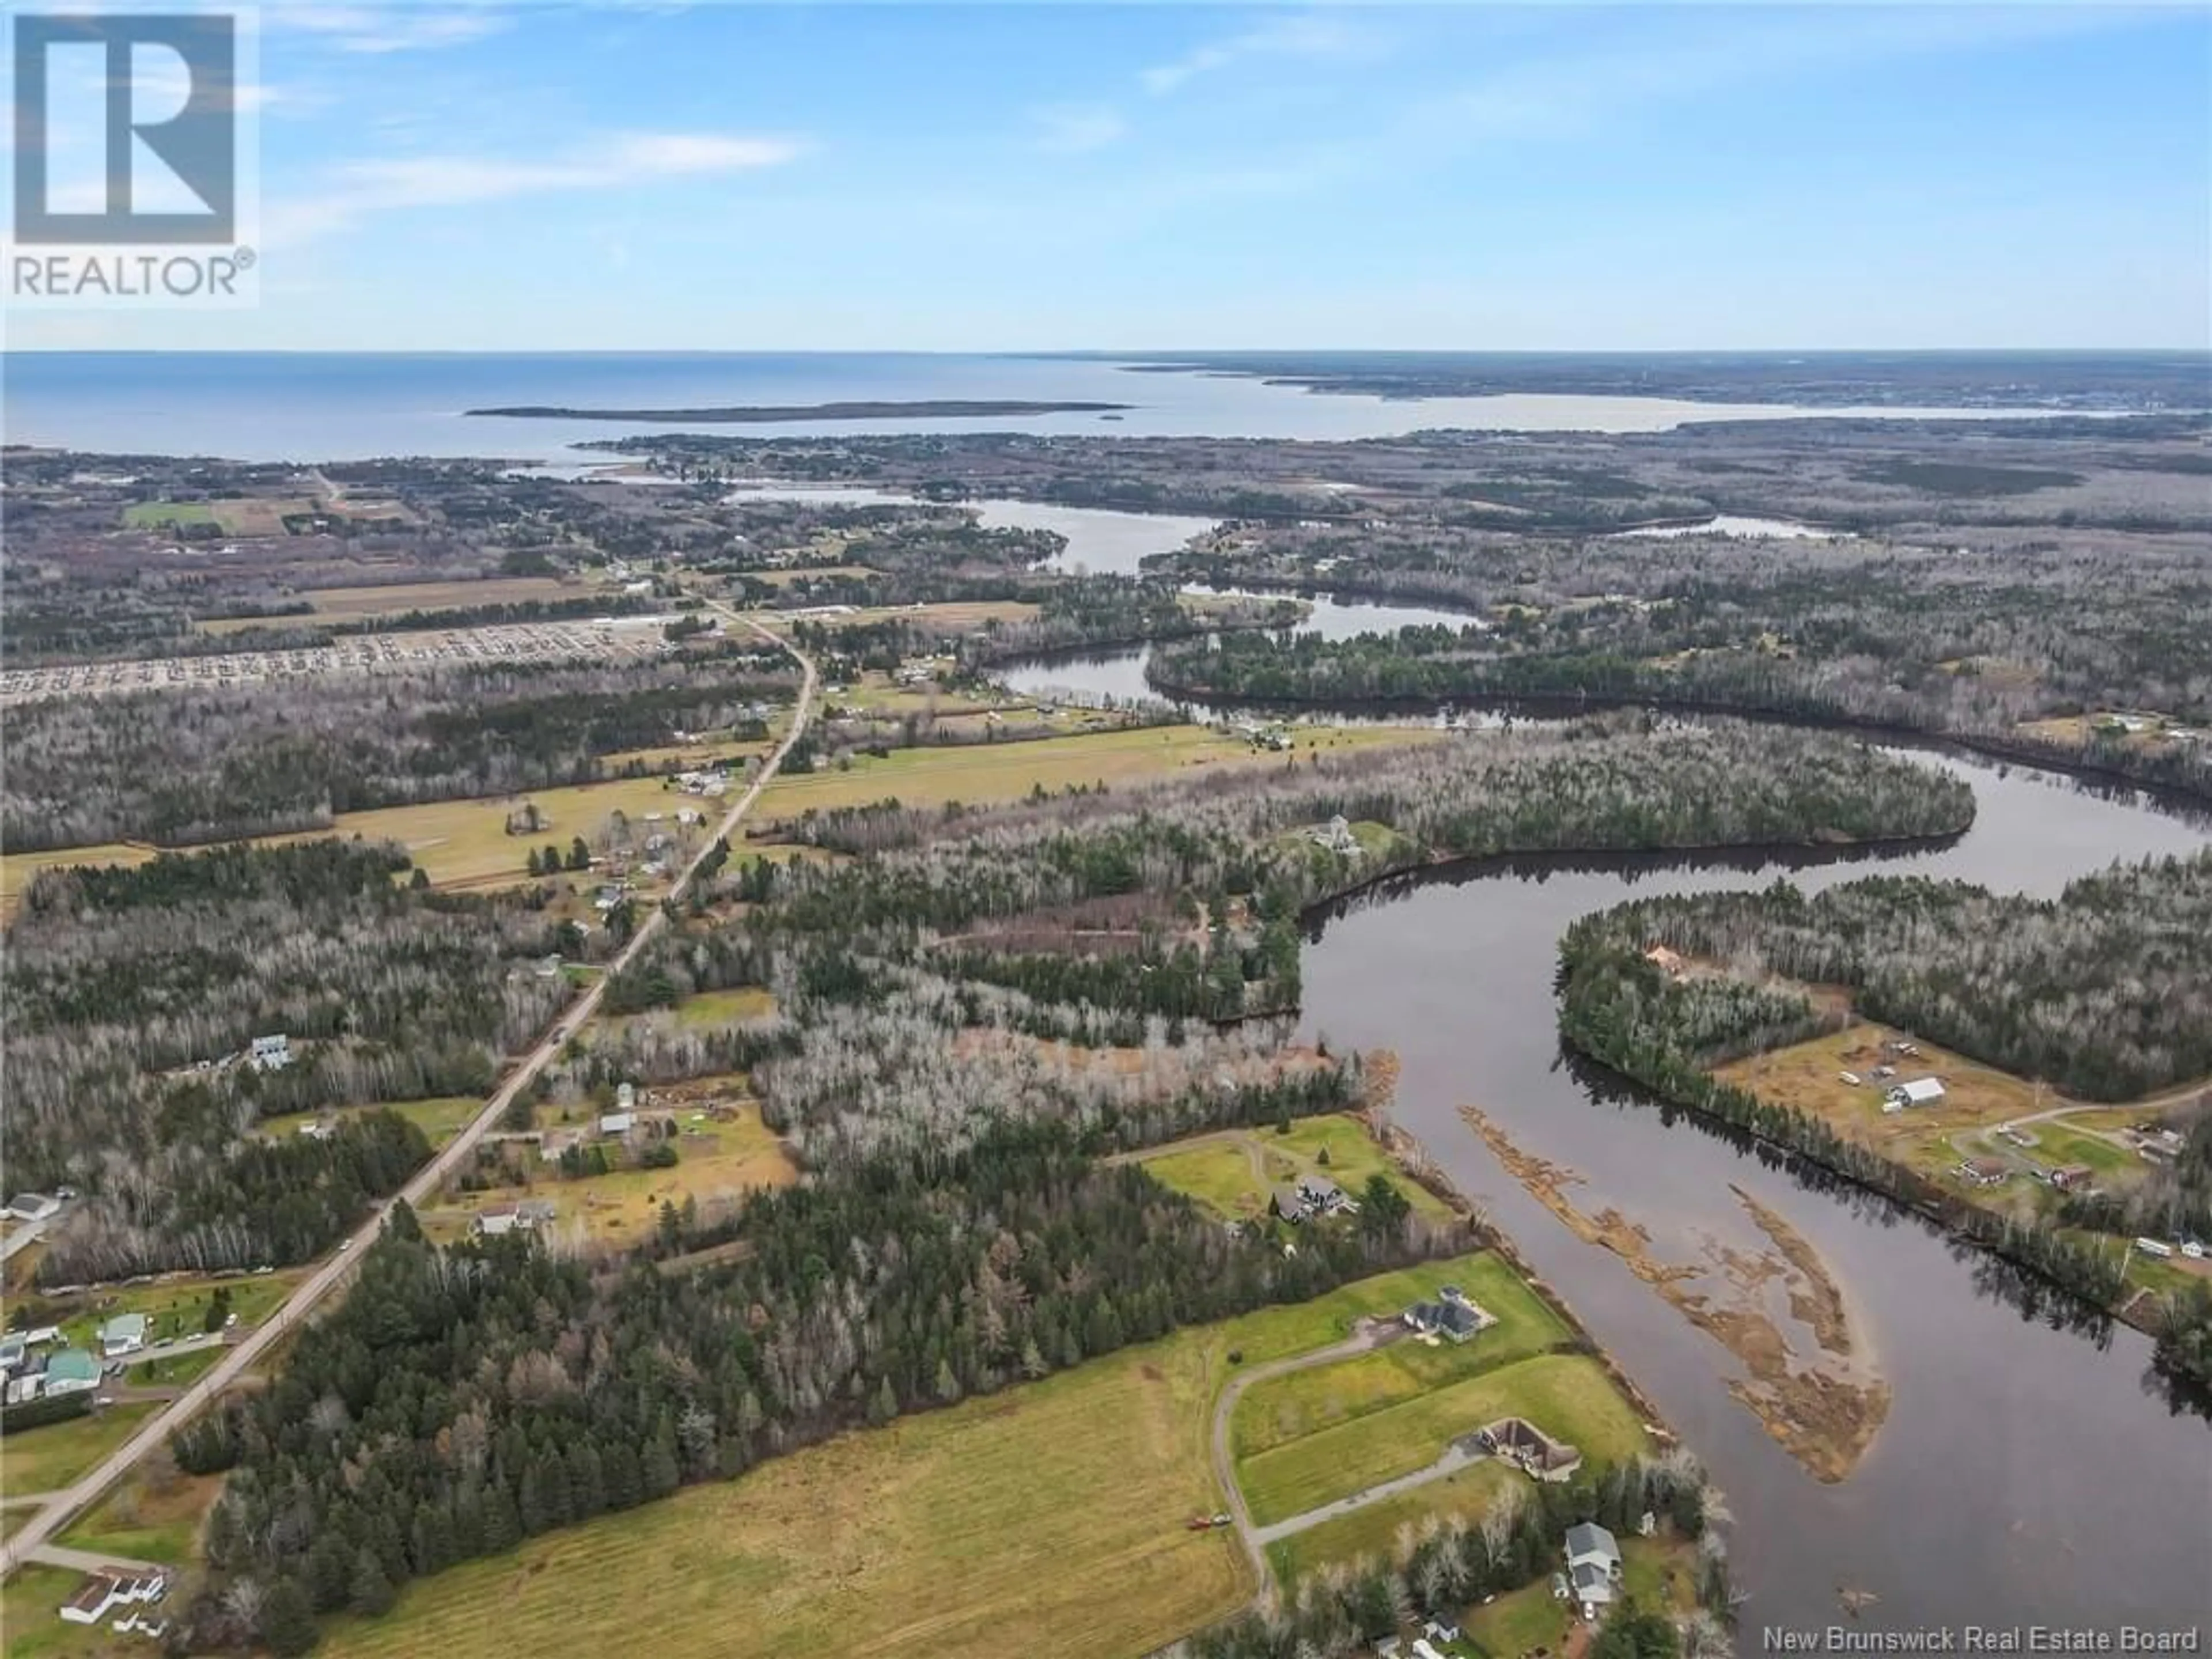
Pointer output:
1136, 176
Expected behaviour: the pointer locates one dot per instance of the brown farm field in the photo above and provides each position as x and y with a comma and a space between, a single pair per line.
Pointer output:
1978, 1101
980, 774
465, 843
732, 1153
352, 604
956, 614
16, 869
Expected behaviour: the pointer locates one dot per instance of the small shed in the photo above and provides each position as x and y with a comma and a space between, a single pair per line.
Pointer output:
1921, 1091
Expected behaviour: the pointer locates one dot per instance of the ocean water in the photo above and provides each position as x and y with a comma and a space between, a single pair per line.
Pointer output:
316, 406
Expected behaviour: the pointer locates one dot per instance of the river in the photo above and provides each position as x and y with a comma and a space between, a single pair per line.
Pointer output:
1120, 674
2023, 1473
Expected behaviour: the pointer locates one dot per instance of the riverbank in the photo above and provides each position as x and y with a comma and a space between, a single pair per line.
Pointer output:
1825, 1409
1961, 1218
2014, 751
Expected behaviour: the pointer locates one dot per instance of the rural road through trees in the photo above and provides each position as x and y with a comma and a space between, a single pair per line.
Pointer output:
333, 1273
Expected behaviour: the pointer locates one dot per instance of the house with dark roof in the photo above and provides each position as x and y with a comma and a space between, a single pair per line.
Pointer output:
1537, 1455
1450, 1316
1592, 1566
1311, 1196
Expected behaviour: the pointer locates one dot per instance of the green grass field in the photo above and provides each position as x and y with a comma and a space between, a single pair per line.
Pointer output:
1374, 1531
53, 1456
31, 1620
148, 515
139, 1524
439, 1118
710, 1009
2057, 1144
1218, 1170
1568, 1395
1056, 1507
1286, 1408
176, 1308
706, 1011
1523, 1621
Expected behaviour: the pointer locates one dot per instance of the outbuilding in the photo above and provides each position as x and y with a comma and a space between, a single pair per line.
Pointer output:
1921, 1091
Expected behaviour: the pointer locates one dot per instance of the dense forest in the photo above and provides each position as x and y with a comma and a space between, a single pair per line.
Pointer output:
186, 766
1978, 643
131, 995
2105, 991
935, 1061
462, 1399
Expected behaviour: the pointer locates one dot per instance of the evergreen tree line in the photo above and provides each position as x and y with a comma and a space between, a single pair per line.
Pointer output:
1622, 1011
463, 1399
1865, 659
2105, 991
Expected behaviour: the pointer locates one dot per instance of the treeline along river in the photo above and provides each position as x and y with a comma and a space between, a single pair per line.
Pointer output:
2024, 1471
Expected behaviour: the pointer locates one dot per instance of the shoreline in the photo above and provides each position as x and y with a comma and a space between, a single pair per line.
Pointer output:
1549, 706
1956, 1216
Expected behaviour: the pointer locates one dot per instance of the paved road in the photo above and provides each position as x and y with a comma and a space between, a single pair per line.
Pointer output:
338, 1267
1255, 1539
26, 1232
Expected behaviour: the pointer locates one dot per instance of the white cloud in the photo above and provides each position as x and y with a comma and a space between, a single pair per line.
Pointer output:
1078, 128
1570, 95
1305, 36
359, 189
383, 29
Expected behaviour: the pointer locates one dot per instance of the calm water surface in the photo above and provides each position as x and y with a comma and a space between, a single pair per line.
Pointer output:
1120, 674
312, 406
2023, 1473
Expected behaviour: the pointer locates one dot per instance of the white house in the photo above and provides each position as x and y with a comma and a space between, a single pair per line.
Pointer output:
617, 1123
496, 1220
1921, 1091
125, 1333
1592, 1566
1336, 836
271, 1054
625, 1096
102, 1592
33, 1206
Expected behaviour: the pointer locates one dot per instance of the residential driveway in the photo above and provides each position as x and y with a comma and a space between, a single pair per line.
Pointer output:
1372, 1333
55, 1555
1455, 1457
26, 1232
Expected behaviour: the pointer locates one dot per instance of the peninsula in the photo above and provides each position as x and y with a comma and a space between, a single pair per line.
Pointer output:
942, 408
